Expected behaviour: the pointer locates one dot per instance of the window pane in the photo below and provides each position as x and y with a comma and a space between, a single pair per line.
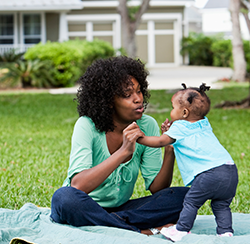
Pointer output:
32, 24
142, 47
143, 26
6, 24
102, 27
6, 41
164, 48
32, 18
164, 26
32, 40
32, 30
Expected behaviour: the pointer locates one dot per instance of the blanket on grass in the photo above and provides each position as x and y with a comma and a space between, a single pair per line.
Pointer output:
32, 224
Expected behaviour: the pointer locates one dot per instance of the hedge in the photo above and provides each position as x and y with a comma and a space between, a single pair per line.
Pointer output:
70, 58
211, 50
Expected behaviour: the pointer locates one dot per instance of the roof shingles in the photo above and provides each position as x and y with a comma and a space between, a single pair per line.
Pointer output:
40, 4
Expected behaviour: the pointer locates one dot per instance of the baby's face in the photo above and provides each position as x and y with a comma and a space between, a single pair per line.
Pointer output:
177, 109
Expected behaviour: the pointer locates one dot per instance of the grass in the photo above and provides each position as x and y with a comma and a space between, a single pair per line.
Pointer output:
35, 139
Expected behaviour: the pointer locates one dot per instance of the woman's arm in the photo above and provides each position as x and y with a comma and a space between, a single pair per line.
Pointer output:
164, 177
89, 179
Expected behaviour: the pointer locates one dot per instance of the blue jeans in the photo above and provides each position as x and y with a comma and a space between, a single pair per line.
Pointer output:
218, 184
74, 207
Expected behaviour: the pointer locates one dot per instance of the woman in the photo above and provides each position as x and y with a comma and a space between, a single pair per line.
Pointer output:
105, 159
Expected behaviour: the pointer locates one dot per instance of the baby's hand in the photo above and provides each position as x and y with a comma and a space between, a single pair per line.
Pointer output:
165, 125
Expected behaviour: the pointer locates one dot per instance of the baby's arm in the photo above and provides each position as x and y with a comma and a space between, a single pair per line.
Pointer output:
158, 141
155, 141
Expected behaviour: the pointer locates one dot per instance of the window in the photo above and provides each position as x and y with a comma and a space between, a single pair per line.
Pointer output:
32, 28
6, 29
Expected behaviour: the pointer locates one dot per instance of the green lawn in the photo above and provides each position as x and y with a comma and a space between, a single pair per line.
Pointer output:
35, 144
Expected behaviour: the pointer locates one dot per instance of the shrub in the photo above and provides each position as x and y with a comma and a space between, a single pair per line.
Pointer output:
222, 53
12, 55
222, 50
213, 50
246, 47
64, 57
92, 51
70, 58
29, 73
198, 47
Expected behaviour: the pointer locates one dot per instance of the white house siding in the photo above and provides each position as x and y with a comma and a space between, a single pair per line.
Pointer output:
158, 36
32, 21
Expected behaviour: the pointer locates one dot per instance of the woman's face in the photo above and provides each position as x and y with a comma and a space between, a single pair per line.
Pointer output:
130, 107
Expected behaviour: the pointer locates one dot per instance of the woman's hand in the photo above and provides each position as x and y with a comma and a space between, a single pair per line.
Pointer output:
89, 179
130, 136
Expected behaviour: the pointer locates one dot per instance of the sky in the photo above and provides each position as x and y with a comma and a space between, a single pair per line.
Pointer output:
200, 3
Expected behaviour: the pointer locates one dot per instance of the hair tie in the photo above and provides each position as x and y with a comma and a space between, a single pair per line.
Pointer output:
184, 85
203, 88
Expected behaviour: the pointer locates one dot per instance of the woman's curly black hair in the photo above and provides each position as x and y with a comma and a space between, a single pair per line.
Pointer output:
103, 80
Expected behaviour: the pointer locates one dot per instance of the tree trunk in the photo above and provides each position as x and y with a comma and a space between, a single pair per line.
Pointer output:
238, 52
129, 26
246, 7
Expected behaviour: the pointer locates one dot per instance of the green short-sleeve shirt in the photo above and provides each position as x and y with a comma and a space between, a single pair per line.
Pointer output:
89, 148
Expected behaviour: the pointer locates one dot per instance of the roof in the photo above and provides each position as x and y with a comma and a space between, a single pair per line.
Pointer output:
194, 14
114, 3
217, 4
31, 5
58, 5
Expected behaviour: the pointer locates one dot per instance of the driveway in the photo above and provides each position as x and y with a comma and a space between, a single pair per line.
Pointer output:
172, 77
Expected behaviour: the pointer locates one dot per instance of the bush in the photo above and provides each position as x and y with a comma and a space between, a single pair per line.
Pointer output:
246, 47
12, 55
223, 56
198, 47
64, 57
222, 53
92, 51
29, 73
213, 51
70, 58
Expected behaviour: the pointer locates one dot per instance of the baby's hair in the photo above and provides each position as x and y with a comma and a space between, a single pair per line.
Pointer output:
195, 99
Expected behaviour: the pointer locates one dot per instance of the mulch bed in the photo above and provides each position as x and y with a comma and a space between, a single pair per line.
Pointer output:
244, 103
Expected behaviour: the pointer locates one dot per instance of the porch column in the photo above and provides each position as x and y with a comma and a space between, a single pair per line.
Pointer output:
63, 27
185, 25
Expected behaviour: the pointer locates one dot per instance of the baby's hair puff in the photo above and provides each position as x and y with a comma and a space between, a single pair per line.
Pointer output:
195, 99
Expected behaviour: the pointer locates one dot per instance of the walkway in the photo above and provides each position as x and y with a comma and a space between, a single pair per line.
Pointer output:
171, 78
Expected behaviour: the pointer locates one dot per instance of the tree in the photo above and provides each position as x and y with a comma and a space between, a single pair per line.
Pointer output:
245, 7
130, 20
237, 6
238, 53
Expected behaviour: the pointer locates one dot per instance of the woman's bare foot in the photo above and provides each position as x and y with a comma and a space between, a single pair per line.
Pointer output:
149, 232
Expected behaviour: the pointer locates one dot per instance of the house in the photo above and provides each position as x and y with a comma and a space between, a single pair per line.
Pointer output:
26, 22
216, 19
194, 19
